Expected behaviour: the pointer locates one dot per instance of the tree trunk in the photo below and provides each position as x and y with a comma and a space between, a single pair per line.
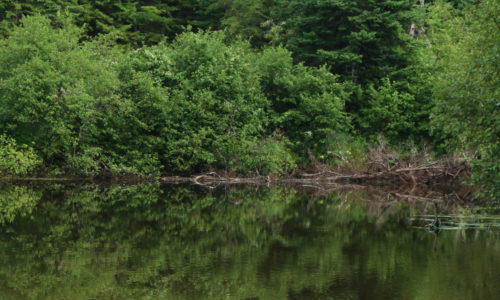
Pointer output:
411, 29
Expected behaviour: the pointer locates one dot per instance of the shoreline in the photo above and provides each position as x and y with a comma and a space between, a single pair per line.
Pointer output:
430, 173
434, 181
436, 174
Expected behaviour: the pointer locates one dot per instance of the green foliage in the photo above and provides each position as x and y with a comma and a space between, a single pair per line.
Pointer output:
16, 160
202, 101
306, 103
135, 22
12, 11
393, 112
53, 91
244, 18
210, 100
386, 111
270, 156
365, 44
343, 150
467, 47
192, 100
361, 40
16, 202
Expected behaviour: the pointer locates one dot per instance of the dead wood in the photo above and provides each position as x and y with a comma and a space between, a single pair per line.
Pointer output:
320, 173
404, 177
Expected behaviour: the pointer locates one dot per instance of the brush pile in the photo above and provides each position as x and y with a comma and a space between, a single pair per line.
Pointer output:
384, 167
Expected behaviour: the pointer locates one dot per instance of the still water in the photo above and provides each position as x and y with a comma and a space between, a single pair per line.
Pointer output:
152, 241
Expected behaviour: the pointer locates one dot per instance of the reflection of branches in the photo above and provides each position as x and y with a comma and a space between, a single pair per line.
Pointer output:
311, 202
212, 180
384, 196
433, 227
435, 233
410, 197
381, 201
17, 201
320, 173
435, 240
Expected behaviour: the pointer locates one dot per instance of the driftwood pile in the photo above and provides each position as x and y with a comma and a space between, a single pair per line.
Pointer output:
435, 173
432, 173
433, 181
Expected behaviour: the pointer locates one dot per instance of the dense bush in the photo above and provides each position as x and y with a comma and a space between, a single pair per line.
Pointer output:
398, 110
305, 103
466, 45
193, 99
203, 101
55, 92
16, 160
347, 71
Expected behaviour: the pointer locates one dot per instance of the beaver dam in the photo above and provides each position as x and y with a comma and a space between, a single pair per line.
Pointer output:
430, 181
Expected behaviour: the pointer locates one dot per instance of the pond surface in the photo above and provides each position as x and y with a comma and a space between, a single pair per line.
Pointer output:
152, 241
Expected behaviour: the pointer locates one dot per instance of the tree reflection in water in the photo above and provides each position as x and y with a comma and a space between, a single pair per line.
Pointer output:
148, 241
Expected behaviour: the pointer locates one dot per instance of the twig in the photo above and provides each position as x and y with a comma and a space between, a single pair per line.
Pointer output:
320, 173
417, 168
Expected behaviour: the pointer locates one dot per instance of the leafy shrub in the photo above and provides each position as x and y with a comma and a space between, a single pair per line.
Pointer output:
191, 100
268, 156
199, 100
54, 91
467, 85
388, 111
344, 150
86, 162
306, 103
203, 101
16, 160
17, 201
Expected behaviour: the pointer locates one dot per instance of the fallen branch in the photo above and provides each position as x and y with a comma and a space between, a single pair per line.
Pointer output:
320, 173
418, 197
426, 167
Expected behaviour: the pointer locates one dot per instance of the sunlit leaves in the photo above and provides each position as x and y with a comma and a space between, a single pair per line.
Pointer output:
466, 45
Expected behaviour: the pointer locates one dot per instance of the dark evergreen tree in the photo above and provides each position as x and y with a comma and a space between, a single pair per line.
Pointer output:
363, 41
136, 22
367, 44
244, 18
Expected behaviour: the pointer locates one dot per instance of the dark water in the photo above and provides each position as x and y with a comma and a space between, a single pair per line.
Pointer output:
182, 242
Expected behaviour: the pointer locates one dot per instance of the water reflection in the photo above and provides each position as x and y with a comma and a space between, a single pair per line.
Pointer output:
182, 242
